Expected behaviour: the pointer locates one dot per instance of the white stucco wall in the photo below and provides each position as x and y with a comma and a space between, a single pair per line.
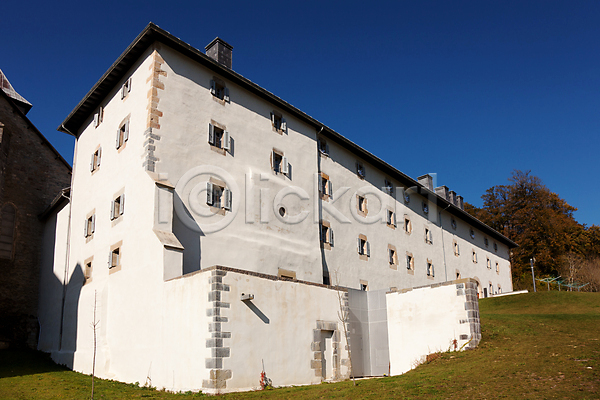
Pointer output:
424, 321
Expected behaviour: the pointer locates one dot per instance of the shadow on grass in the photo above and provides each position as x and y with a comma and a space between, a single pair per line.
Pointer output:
22, 362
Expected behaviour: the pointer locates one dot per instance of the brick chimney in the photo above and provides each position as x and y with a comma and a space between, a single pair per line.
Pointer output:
220, 51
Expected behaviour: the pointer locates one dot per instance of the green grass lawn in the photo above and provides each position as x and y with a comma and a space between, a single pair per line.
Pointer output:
535, 346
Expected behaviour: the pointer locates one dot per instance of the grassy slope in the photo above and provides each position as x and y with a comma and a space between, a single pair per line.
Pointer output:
543, 345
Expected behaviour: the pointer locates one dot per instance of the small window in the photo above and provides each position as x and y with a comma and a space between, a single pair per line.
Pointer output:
472, 233
122, 134
406, 197
388, 187
428, 236
430, 271
280, 163
491, 289
457, 274
474, 257
361, 203
323, 146
126, 88
425, 207
117, 207
495, 246
364, 248
499, 288
364, 286
89, 226
391, 219
456, 249
488, 263
219, 138
278, 122
325, 186
98, 117
453, 223
360, 170
326, 234
410, 262
218, 196
486, 242
95, 163
284, 273
114, 258
87, 273
393, 258
407, 225
219, 90
497, 268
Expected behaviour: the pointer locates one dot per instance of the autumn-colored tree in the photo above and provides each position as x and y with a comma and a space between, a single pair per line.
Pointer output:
539, 221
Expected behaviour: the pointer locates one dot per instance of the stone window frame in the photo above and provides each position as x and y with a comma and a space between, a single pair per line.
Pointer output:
474, 256
88, 266
497, 268
126, 88
115, 252
122, 134
278, 122
488, 263
322, 146
96, 160
363, 247
362, 200
407, 224
458, 274
219, 90
392, 256
325, 187
98, 117
456, 248
364, 285
286, 274
225, 142
116, 214
428, 236
388, 187
224, 191
281, 167
425, 207
430, 269
390, 219
90, 225
410, 263
360, 170
326, 238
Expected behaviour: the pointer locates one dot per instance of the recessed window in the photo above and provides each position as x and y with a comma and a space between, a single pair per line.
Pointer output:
219, 90
388, 187
117, 207
219, 137
364, 286
360, 170
126, 88
457, 274
325, 186
486, 242
453, 223
488, 263
391, 219
472, 233
425, 208
406, 197
284, 273
364, 248
495, 246
122, 134
392, 256
428, 236
87, 273
280, 163
282, 211
326, 234
96, 156
98, 117
90, 226
410, 262
114, 258
278, 122
430, 270
217, 195
361, 203
474, 257
456, 248
499, 288
497, 268
323, 146
407, 225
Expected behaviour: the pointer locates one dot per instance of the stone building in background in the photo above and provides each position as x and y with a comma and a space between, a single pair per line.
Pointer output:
32, 173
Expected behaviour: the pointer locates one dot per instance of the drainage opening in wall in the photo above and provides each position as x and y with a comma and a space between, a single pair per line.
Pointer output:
282, 211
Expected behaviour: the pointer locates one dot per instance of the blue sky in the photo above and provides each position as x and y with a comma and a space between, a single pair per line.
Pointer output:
470, 90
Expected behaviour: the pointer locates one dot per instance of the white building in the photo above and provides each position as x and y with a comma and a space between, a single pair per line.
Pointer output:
199, 190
